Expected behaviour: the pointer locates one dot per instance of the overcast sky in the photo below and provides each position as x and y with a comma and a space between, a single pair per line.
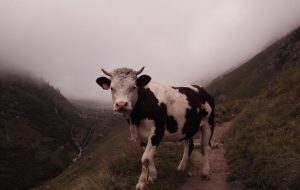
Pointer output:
180, 42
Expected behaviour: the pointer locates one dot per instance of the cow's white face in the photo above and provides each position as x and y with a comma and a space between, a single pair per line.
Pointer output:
124, 93
124, 85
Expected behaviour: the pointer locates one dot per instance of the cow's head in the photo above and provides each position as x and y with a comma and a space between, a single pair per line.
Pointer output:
124, 84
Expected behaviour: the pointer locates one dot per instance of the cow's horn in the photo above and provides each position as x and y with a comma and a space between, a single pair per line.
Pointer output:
106, 72
140, 71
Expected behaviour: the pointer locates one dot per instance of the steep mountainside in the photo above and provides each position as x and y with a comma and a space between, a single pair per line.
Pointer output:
263, 147
35, 131
261, 72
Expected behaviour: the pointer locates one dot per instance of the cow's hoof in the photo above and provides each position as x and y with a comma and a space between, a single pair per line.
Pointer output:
205, 176
145, 162
140, 186
151, 180
180, 169
152, 177
205, 172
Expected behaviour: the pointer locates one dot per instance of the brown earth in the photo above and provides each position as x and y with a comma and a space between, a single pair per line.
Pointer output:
218, 166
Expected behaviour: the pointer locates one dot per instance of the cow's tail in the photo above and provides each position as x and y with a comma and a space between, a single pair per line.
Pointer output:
191, 146
211, 119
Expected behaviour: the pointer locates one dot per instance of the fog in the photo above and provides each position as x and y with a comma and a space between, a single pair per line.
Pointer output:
66, 42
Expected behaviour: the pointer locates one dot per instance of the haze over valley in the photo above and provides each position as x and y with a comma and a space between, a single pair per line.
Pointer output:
179, 43
57, 129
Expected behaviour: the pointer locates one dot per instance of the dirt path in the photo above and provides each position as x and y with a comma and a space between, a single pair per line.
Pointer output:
218, 167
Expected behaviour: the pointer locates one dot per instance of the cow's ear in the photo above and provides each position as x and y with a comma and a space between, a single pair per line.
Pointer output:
143, 80
103, 82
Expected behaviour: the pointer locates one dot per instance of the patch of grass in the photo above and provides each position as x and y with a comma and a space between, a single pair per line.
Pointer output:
226, 111
113, 163
263, 147
99, 148
122, 172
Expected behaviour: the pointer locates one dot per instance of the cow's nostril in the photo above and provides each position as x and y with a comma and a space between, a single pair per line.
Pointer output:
121, 104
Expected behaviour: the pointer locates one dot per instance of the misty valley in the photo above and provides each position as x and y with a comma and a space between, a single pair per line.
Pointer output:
51, 142
41, 131
149, 95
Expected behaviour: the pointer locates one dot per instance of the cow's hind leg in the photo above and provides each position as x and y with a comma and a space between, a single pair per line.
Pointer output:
206, 149
188, 146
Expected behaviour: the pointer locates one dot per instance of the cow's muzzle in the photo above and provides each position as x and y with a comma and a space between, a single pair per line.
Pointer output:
121, 106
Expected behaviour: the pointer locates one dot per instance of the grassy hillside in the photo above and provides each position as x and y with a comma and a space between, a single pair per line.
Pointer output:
263, 147
35, 128
112, 161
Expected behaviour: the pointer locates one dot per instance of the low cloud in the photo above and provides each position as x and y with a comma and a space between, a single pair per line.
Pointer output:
179, 43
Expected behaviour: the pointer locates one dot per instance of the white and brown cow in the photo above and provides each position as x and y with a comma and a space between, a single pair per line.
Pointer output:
157, 112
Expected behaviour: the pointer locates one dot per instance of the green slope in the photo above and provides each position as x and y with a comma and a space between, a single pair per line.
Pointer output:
263, 147
112, 161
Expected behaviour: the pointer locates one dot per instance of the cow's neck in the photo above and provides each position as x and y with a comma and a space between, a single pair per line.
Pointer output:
147, 107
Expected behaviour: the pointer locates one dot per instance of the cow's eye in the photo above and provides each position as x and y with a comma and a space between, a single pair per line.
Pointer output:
133, 88
112, 89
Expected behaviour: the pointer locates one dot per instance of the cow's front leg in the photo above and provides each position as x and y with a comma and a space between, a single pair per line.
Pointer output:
134, 134
148, 167
149, 172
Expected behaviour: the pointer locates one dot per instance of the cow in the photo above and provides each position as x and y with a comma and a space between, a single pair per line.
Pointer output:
157, 112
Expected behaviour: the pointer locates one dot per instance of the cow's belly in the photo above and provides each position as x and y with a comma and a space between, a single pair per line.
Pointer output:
147, 128
177, 136
144, 133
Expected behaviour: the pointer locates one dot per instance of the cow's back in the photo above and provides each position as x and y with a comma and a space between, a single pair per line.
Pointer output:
177, 111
